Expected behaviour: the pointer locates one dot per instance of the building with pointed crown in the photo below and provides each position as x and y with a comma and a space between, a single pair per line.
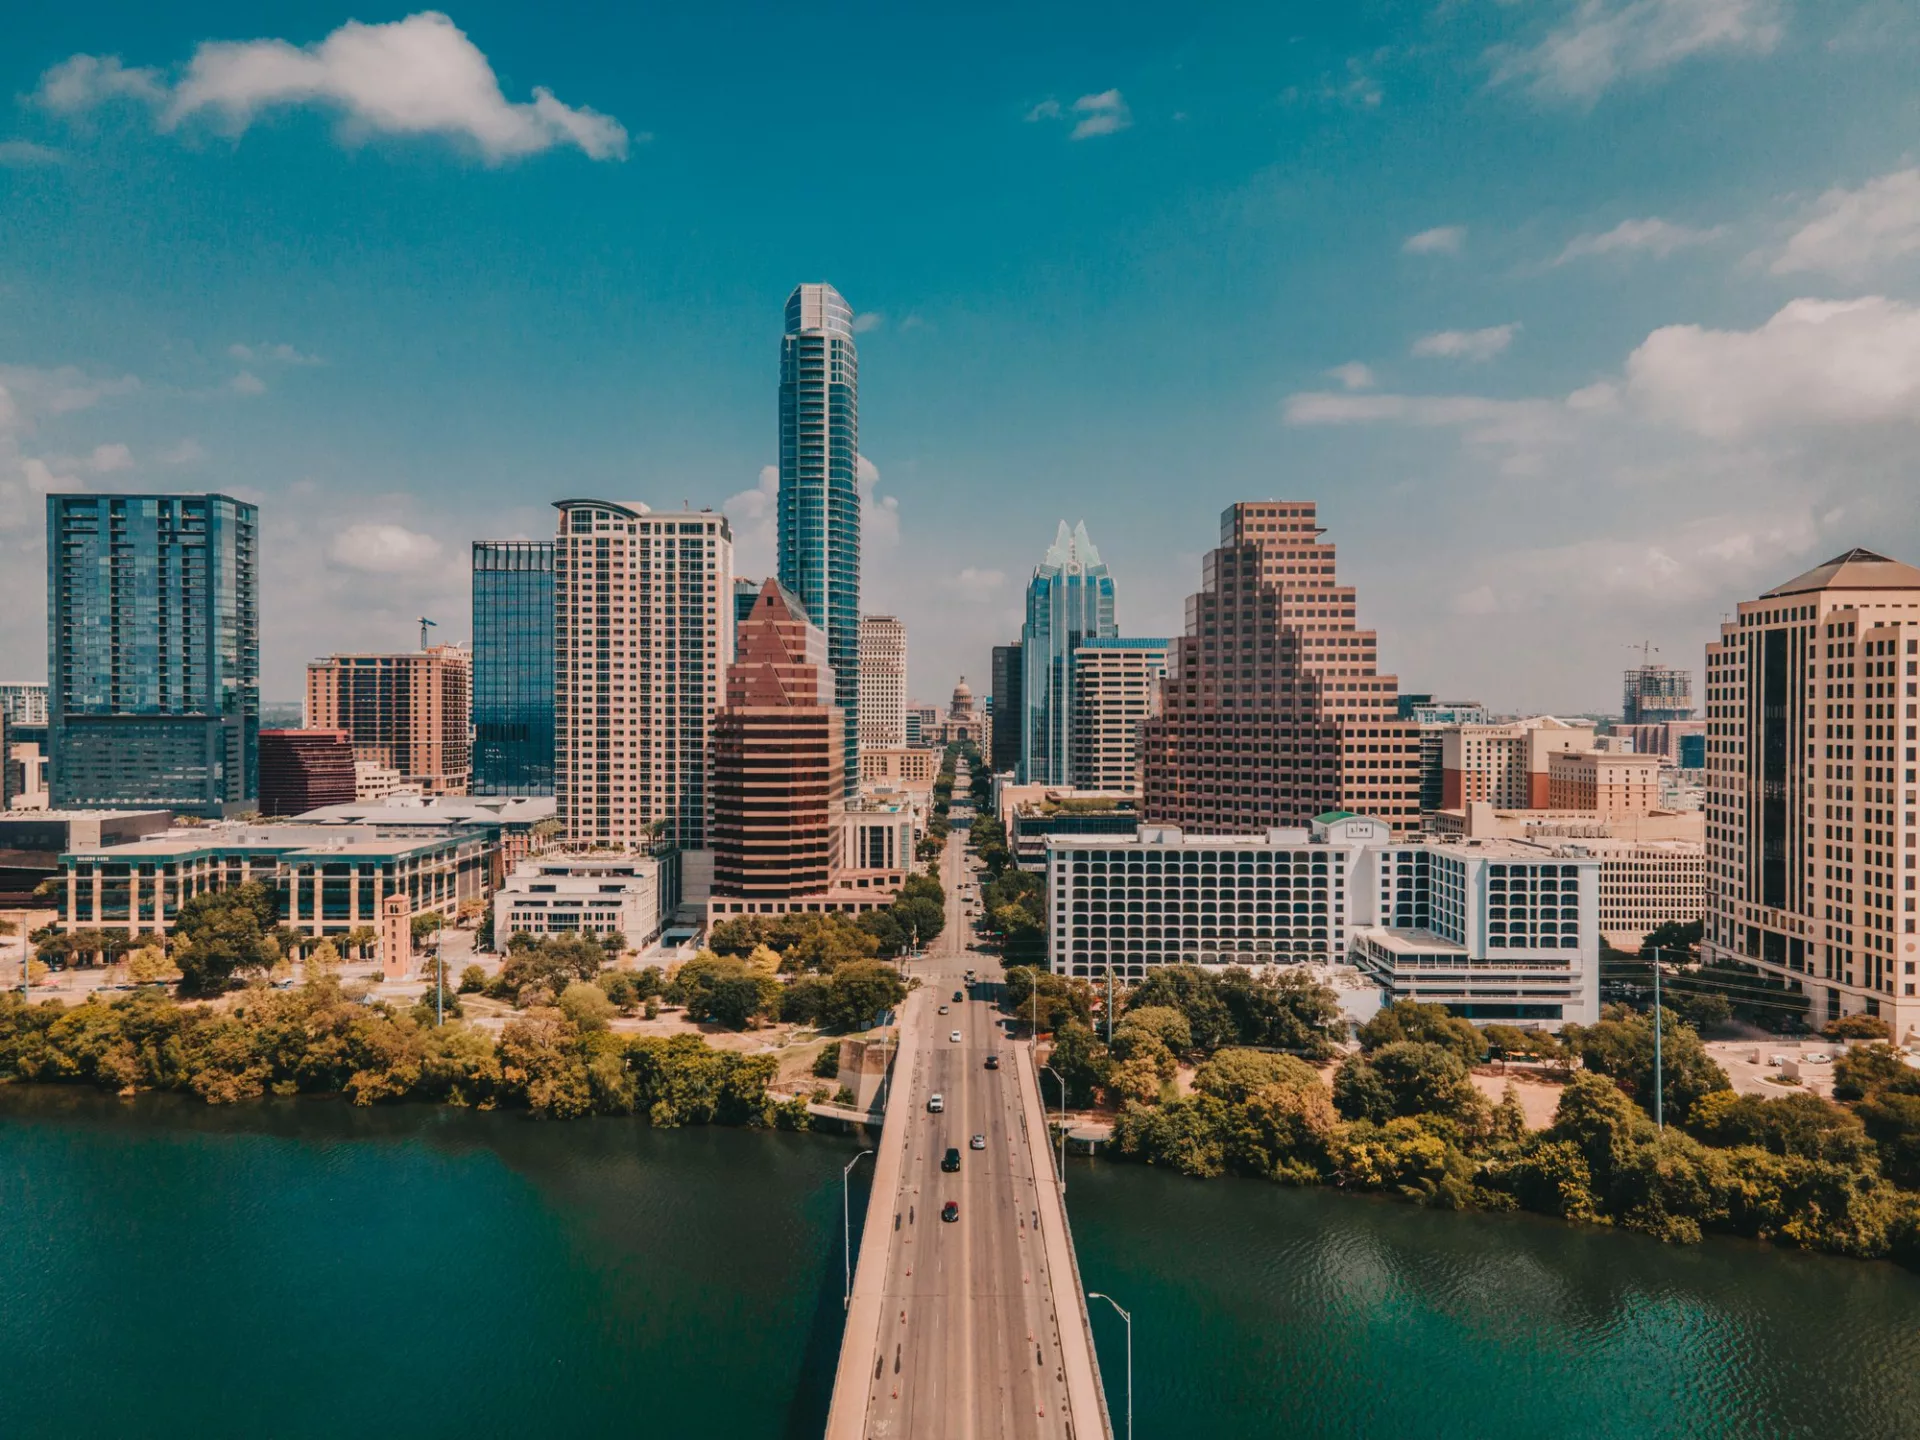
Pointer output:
1070, 600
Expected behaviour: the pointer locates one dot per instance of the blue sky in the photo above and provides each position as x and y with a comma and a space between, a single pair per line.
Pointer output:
1581, 319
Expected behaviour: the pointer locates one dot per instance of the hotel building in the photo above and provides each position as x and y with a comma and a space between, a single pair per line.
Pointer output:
407, 713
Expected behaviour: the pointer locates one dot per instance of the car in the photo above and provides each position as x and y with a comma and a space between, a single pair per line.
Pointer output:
935, 1104
979, 1142
951, 1160
953, 1038
943, 1009
993, 1062
959, 995
950, 1211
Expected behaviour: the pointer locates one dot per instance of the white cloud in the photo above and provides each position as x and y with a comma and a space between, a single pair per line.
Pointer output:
1853, 230
83, 81
59, 391
1474, 345
1815, 362
106, 459
1652, 236
247, 383
280, 354
1441, 240
1046, 110
754, 517
1602, 42
1353, 375
976, 586
1101, 114
382, 549
187, 452
868, 320
417, 76
879, 514
24, 154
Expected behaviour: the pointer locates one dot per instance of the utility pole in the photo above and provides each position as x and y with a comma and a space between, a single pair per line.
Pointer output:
1659, 1074
440, 981
846, 1230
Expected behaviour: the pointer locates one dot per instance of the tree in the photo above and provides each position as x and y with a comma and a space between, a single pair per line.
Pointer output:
1429, 1024
223, 933
360, 938
1893, 1120
1161, 1022
721, 988
1865, 1068
621, 989
804, 998
858, 992
1601, 1123
1675, 941
1290, 1011
323, 961
1236, 1075
1081, 1060
426, 924
586, 1005
473, 980
1406, 1078
1510, 1042
1621, 1046
1857, 1027
919, 919
1193, 992
1802, 1125
149, 965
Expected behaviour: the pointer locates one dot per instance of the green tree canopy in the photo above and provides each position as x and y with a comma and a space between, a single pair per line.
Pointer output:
858, 992
1621, 1046
1430, 1024
223, 933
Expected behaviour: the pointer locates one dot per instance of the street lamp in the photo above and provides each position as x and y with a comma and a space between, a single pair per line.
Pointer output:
846, 1230
1063, 1123
1126, 1316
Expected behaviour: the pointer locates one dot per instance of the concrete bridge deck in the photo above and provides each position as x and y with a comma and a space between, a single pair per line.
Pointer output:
975, 1328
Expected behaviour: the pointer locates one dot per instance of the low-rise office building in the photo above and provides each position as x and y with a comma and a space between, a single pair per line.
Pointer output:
629, 895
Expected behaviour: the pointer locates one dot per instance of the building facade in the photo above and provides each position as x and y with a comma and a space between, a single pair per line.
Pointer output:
407, 712
1273, 708
585, 895
883, 681
1009, 709
1506, 765
24, 702
1116, 690
819, 500
512, 667
643, 635
907, 767
776, 760
1070, 600
302, 770
1656, 695
1813, 705
153, 652
1603, 782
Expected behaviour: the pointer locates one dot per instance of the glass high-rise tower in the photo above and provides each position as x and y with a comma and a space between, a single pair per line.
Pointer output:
819, 487
153, 652
513, 667
1069, 602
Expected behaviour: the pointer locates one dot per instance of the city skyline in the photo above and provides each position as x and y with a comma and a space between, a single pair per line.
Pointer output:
1619, 337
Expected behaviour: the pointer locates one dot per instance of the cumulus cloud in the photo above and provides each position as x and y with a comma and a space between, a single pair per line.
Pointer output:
975, 585
1651, 236
868, 320
186, 452
377, 548
1473, 345
280, 354
1851, 231
879, 514
1353, 375
1101, 114
1603, 42
1048, 109
247, 383
25, 154
417, 76
1441, 240
1815, 362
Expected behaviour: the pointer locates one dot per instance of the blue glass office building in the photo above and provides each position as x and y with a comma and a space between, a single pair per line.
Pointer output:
153, 652
819, 500
513, 667
1069, 602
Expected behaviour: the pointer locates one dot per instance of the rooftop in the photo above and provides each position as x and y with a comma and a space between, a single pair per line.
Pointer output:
1856, 569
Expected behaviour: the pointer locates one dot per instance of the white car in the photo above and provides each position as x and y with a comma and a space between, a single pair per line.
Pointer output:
954, 1038
935, 1104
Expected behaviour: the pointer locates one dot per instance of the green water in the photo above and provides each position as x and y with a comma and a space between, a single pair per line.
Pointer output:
306, 1269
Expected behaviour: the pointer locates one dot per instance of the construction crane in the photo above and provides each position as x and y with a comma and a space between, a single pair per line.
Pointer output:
426, 624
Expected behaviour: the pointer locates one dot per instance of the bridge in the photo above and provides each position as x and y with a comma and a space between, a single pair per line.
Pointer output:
977, 1327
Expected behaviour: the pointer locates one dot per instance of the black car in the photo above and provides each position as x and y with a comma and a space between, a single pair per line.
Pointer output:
950, 1211
993, 1062
951, 1160
959, 994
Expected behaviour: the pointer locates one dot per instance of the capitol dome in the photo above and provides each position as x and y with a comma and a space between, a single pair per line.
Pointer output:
962, 698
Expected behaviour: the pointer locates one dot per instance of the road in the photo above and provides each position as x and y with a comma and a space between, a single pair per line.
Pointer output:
969, 1343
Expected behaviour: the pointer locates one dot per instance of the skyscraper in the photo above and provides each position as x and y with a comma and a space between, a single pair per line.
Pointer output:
883, 681
407, 712
153, 651
1008, 709
1069, 602
776, 759
819, 501
1811, 711
1116, 690
513, 667
1274, 711
643, 634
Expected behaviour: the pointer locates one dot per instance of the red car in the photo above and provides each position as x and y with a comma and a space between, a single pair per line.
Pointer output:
950, 1211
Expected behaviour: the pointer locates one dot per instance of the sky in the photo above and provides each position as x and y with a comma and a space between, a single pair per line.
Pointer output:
1582, 320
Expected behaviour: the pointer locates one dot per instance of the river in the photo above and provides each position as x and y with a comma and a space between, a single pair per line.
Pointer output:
302, 1268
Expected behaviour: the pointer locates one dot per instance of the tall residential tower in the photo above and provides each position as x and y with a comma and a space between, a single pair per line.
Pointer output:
513, 667
819, 502
883, 681
153, 652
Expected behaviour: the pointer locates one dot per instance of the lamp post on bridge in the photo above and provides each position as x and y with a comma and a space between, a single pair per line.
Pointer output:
1128, 1317
1063, 1122
846, 1230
